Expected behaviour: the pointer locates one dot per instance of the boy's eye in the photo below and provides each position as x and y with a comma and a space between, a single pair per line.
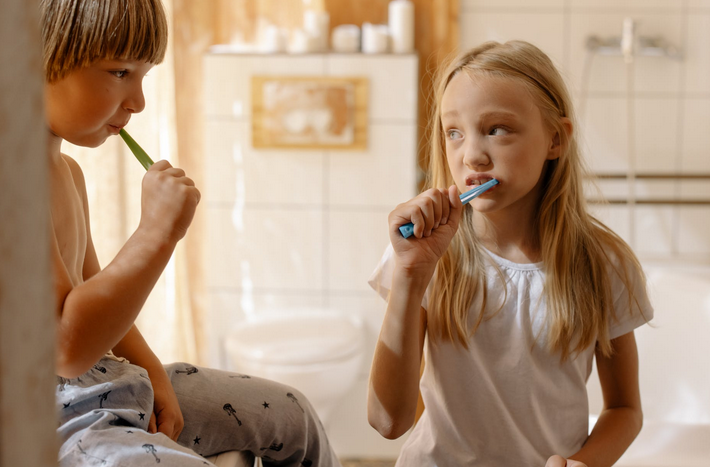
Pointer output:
119, 73
498, 131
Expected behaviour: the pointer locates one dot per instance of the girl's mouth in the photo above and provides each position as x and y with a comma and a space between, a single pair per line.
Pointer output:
477, 180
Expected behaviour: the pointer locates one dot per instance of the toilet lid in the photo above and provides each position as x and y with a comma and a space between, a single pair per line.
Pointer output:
297, 339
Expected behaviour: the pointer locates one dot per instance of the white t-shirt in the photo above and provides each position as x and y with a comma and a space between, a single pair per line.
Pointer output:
506, 401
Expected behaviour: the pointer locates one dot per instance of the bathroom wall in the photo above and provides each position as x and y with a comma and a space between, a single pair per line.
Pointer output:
669, 107
304, 229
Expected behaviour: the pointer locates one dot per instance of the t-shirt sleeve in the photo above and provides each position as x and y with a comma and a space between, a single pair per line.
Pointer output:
630, 310
381, 278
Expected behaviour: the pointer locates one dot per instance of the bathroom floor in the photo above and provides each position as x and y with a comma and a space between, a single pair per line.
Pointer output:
367, 463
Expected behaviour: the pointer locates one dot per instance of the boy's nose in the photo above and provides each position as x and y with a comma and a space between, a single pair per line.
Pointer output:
135, 101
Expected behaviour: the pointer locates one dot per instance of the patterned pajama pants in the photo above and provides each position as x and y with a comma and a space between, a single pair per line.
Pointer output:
104, 415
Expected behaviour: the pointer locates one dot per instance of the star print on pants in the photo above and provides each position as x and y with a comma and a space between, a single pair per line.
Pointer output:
141, 415
265, 404
197, 440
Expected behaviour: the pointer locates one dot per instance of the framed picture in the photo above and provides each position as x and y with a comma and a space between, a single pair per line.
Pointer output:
296, 112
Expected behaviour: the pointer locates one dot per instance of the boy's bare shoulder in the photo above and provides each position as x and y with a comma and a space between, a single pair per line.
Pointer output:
76, 171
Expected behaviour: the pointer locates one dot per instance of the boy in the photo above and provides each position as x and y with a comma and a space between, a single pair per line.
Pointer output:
117, 404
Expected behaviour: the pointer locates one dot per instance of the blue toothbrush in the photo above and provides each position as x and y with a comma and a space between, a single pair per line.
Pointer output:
407, 230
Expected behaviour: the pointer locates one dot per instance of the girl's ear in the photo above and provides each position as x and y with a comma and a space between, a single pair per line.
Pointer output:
557, 146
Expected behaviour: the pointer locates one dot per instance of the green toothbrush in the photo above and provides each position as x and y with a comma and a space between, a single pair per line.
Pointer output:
137, 151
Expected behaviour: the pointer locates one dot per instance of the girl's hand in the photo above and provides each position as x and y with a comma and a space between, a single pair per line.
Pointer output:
167, 416
435, 215
559, 461
168, 201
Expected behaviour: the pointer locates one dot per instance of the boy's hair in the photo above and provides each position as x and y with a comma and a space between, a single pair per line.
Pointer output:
579, 253
77, 32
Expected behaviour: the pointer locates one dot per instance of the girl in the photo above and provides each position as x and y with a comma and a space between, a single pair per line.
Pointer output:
116, 403
508, 299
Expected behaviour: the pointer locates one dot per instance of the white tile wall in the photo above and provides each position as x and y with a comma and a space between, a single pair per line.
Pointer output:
300, 229
275, 248
696, 135
608, 73
517, 4
694, 231
357, 241
379, 175
542, 29
697, 57
392, 79
237, 173
626, 4
656, 134
655, 229
605, 134
671, 102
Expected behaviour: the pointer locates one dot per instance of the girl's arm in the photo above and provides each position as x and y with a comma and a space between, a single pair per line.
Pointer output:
394, 377
621, 419
96, 314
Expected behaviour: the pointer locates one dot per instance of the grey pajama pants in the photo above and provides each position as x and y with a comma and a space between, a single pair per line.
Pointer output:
104, 415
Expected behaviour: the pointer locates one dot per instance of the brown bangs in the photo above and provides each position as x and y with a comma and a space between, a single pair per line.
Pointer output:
77, 33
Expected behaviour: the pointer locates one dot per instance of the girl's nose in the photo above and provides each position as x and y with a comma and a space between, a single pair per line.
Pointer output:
475, 155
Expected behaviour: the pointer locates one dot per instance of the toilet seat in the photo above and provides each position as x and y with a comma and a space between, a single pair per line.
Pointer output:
298, 338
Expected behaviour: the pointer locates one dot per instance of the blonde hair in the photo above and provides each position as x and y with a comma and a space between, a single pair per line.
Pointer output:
579, 253
75, 33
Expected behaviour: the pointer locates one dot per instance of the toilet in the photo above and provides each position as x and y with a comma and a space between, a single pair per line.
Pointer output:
317, 352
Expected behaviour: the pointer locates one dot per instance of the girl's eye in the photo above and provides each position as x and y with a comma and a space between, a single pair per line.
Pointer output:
498, 131
453, 134
119, 73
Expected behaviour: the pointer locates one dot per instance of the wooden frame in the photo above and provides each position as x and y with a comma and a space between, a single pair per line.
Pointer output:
309, 112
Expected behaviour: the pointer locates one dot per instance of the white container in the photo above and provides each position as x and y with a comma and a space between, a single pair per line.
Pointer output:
375, 38
401, 26
346, 38
302, 42
317, 24
274, 40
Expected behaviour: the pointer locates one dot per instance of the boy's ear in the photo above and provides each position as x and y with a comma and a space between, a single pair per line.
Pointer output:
556, 148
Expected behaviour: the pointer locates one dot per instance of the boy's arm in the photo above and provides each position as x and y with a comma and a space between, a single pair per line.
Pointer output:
621, 419
166, 417
96, 315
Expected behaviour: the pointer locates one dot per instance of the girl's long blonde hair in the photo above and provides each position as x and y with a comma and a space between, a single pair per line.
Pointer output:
579, 253
77, 32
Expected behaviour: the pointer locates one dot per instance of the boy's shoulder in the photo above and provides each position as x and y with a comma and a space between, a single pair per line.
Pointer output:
77, 176
75, 169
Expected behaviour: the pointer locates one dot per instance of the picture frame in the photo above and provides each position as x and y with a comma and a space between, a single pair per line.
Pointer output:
309, 112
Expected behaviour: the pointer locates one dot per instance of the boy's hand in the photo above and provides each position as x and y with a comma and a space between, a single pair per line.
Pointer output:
168, 201
559, 461
435, 215
167, 416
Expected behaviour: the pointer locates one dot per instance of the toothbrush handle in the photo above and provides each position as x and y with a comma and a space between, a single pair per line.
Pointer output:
407, 230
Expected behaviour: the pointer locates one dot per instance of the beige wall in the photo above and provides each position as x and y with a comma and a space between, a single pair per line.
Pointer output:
27, 422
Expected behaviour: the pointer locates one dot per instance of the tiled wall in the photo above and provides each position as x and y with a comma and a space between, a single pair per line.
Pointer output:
669, 128
305, 228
